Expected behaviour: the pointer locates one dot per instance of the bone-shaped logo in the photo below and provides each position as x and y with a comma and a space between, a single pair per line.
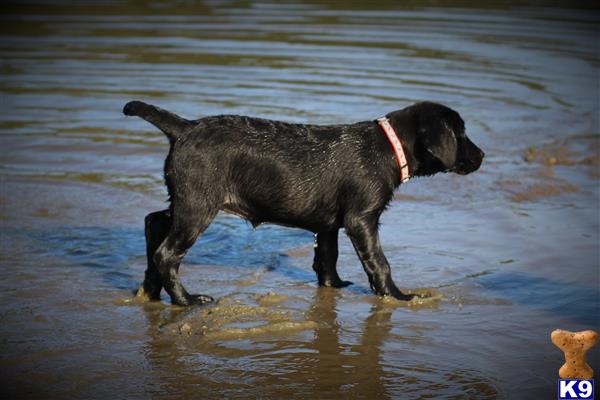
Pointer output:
574, 345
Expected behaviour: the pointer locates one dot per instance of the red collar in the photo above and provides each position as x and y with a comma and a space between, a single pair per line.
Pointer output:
384, 123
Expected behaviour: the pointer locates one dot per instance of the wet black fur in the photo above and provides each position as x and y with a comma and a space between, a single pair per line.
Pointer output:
319, 178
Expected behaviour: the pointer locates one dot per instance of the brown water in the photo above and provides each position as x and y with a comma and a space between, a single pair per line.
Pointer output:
509, 253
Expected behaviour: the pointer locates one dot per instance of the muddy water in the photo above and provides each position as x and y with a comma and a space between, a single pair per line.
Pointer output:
508, 254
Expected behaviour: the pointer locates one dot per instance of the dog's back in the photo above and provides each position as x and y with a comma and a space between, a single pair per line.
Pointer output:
272, 171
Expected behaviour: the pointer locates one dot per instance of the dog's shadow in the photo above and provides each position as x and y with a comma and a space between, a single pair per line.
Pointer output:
117, 254
104, 252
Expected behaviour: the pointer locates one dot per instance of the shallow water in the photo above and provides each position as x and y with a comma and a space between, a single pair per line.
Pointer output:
509, 253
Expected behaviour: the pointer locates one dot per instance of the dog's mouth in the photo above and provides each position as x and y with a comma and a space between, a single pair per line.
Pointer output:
464, 169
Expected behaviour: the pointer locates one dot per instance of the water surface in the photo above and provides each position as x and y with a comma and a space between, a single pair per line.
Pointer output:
510, 252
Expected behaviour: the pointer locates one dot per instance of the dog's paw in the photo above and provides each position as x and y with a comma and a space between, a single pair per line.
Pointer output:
191, 300
199, 299
341, 284
394, 292
335, 283
404, 297
142, 294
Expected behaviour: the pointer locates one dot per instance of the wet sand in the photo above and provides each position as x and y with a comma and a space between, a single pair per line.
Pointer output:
507, 254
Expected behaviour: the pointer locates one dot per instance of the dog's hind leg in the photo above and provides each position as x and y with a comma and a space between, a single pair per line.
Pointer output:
156, 229
326, 254
365, 239
186, 225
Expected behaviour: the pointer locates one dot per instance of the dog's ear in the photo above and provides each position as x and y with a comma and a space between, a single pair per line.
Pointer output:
439, 140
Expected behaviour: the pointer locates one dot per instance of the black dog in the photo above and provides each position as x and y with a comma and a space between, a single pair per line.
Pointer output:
319, 178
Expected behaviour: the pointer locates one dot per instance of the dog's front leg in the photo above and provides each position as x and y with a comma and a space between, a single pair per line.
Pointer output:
326, 254
365, 239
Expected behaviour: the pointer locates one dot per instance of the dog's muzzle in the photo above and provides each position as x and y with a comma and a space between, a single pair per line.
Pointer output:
469, 162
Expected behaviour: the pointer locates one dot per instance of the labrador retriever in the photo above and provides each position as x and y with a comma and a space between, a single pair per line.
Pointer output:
313, 177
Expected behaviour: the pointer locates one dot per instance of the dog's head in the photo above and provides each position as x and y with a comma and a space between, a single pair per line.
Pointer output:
439, 143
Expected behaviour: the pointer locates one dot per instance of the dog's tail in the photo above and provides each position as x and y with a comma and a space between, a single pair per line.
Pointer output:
171, 124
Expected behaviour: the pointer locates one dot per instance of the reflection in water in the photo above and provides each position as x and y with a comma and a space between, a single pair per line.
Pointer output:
322, 361
339, 367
